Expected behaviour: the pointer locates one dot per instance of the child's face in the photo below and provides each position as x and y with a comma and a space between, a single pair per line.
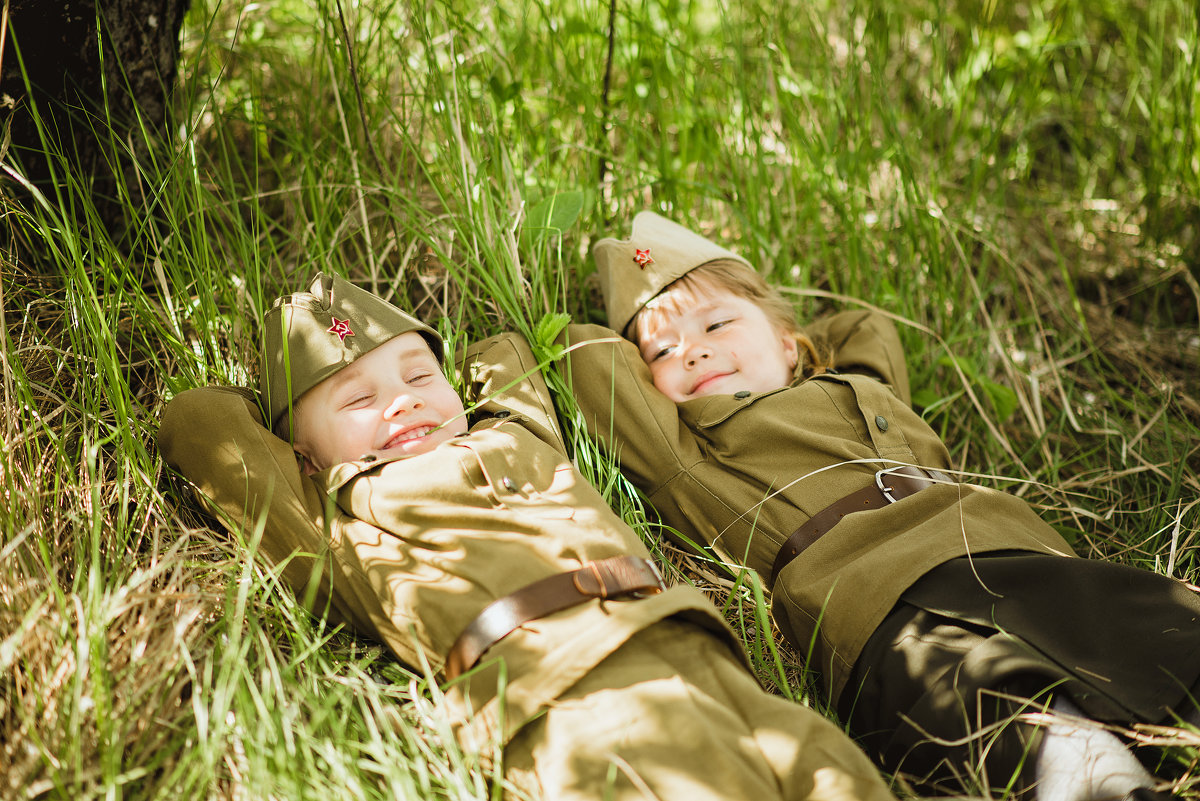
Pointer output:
711, 342
393, 400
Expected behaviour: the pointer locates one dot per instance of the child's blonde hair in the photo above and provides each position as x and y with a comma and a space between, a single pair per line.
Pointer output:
733, 277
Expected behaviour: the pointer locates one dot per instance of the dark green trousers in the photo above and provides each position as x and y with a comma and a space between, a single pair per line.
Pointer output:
937, 692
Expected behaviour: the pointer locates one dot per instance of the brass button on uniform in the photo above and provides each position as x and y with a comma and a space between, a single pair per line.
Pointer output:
881, 422
503, 413
509, 484
742, 394
370, 457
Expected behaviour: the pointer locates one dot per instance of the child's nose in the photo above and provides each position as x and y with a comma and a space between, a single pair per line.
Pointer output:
695, 353
403, 402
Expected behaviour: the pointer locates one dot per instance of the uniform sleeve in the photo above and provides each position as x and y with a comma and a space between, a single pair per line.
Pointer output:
622, 408
250, 478
502, 375
864, 342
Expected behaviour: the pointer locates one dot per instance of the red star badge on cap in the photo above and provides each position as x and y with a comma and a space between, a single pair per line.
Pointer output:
341, 328
642, 257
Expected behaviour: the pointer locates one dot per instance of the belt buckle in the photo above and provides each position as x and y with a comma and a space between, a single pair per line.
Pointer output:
660, 585
641, 587
887, 491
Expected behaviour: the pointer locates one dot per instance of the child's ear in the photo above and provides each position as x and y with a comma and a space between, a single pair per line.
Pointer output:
791, 349
306, 465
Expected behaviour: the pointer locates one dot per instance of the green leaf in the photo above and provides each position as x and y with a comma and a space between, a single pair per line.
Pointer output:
545, 332
554, 214
1003, 399
924, 398
578, 26
965, 366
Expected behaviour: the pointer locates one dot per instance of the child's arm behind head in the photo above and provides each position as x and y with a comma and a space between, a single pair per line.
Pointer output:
249, 477
621, 407
864, 342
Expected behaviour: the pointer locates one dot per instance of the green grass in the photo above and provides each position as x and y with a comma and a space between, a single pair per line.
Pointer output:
1018, 183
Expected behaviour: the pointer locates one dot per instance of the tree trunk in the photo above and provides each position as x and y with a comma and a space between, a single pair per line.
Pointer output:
91, 68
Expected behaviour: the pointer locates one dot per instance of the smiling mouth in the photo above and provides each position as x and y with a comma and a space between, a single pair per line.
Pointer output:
410, 434
707, 381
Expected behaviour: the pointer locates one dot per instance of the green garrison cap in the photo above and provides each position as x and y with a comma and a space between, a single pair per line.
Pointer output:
309, 336
634, 270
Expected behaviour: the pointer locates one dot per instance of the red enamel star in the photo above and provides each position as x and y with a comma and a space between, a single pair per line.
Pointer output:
341, 328
642, 257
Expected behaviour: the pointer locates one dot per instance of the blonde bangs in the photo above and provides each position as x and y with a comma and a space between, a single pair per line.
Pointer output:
709, 280
725, 275
680, 295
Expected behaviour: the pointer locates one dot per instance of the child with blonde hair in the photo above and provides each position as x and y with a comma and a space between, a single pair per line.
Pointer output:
934, 610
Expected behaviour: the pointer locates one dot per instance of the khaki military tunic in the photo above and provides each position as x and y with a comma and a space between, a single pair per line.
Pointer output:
739, 473
408, 551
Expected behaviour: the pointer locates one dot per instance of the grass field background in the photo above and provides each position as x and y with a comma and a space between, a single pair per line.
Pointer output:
1018, 183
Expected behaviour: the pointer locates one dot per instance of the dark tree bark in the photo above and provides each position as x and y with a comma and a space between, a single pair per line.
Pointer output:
90, 67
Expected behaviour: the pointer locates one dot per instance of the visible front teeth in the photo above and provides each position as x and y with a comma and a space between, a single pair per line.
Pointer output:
414, 433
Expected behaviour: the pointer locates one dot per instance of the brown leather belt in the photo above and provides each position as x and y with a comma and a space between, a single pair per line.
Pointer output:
615, 578
890, 485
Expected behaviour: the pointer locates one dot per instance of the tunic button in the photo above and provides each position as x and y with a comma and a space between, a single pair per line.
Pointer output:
882, 422
370, 457
509, 484
742, 394
502, 414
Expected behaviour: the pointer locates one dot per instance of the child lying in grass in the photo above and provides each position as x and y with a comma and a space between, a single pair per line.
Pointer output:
933, 610
472, 545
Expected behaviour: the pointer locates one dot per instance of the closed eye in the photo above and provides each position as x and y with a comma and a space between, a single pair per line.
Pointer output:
713, 326
662, 352
358, 401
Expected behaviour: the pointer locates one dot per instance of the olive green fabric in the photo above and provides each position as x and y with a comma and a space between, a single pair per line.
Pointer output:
751, 745
657, 252
408, 551
309, 336
740, 474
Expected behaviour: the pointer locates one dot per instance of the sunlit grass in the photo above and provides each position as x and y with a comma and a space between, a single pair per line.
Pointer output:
1018, 183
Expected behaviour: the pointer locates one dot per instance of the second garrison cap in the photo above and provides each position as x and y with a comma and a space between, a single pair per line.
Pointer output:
657, 252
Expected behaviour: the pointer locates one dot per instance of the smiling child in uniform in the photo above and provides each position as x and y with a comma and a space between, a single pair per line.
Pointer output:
933, 610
